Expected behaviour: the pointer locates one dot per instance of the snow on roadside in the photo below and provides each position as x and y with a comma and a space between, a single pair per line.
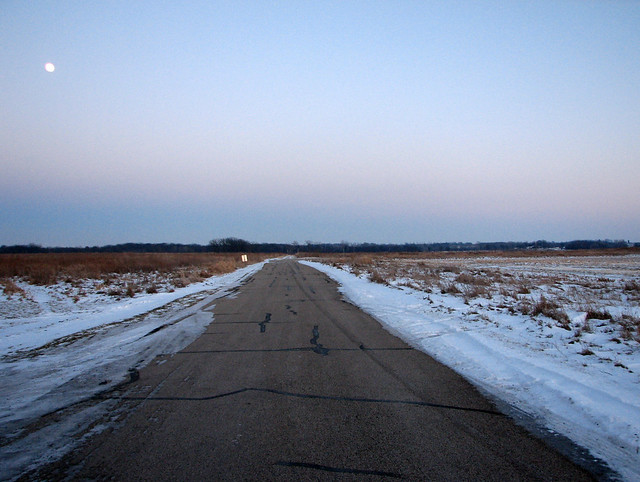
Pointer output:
532, 368
64, 355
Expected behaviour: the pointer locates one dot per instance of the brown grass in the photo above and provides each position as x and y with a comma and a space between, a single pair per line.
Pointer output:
630, 327
475, 291
598, 314
49, 268
10, 288
552, 310
533, 253
377, 277
473, 279
573, 281
450, 288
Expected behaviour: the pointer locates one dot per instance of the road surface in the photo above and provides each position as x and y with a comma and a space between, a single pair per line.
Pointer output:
290, 382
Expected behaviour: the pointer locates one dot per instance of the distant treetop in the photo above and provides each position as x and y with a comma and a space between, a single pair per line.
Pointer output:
236, 245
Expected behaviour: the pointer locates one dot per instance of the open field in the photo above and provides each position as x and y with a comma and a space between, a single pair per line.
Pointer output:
582, 291
114, 274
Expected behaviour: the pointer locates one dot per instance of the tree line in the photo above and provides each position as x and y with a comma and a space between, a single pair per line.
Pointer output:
236, 245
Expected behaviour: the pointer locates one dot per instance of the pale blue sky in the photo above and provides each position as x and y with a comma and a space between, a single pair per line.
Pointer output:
390, 121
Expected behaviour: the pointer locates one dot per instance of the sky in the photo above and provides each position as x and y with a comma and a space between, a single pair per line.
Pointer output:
360, 121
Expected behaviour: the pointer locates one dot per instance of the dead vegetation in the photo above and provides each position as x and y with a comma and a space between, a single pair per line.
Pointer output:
551, 309
10, 288
115, 274
579, 291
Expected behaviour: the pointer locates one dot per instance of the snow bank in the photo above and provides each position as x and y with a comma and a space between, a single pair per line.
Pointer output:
527, 366
64, 355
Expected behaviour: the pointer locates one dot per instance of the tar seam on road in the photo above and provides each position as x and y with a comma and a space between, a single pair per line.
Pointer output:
263, 324
318, 348
338, 470
303, 348
311, 396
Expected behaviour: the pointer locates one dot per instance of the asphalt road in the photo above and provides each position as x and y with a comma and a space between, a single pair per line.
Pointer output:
289, 382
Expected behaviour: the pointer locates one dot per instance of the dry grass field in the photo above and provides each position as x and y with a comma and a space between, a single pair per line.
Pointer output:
117, 274
603, 285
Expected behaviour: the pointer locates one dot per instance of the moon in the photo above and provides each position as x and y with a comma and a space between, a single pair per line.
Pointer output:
49, 67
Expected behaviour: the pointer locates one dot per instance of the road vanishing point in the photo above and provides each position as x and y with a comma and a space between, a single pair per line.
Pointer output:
291, 382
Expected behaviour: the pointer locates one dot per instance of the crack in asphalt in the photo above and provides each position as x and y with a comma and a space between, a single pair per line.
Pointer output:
303, 348
338, 470
312, 396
